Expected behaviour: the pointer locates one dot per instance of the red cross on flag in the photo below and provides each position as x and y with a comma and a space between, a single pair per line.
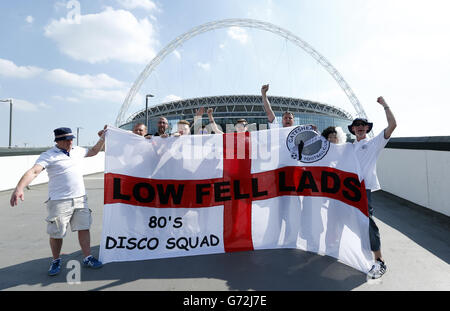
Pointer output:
205, 194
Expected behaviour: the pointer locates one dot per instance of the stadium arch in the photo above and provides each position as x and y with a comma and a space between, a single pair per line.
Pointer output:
238, 22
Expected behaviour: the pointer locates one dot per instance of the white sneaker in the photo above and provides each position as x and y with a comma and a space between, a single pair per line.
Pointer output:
378, 269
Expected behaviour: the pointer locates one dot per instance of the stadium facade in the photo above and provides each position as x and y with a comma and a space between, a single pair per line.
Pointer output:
228, 109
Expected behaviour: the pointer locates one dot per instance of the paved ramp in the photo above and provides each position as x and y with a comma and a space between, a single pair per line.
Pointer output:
415, 244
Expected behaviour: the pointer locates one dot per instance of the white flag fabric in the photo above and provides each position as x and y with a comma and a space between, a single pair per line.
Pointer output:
205, 194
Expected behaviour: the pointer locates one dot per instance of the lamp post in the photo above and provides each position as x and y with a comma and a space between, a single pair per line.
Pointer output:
78, 133
146, 108
10, 118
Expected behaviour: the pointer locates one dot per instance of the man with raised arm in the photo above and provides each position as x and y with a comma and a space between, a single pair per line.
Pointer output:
287, 118
240, 126
367, 151
67, 200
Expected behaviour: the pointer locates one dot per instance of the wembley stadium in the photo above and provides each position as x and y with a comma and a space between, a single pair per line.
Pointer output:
228, 109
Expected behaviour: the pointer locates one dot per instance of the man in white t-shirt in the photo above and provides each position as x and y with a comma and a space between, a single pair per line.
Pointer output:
67, 202
367, 151
288, 117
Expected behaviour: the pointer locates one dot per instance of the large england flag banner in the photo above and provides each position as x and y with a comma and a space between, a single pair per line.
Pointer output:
205, 194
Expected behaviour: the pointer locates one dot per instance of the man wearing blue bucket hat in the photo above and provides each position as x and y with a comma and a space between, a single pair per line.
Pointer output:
67, 200
367, 151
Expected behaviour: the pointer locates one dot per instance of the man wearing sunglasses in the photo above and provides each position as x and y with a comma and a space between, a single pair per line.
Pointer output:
367, 151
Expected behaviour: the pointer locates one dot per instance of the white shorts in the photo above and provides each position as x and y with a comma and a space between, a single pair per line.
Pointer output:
62, 212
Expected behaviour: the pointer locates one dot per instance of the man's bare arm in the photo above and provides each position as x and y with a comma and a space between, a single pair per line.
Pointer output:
26, 179
212, 122
99, 146
197, 124
267, 107
392, 123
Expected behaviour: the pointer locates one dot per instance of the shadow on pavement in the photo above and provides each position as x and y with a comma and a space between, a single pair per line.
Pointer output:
277, 270
427, 228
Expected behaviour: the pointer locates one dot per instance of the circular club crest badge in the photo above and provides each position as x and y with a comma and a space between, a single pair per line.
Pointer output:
306, 145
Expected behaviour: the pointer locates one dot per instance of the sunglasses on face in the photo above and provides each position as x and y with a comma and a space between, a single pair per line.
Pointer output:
359, 124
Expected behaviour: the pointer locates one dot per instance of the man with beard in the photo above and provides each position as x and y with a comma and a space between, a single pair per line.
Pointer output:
163, 126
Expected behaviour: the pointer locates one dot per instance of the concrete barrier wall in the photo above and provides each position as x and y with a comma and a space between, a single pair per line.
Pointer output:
13, 167
419, 176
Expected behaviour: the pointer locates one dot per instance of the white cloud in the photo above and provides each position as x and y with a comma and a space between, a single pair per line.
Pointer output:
171, 98
29, 19
9, 69
99, 87
66, 99
60, 76
59, 5
204, 66
24, 105
109, 35
239, 34
109, 96
100, 81
138, 4
43, 105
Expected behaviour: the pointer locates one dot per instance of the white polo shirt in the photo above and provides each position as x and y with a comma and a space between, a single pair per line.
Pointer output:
274, 124
367, 151
64, 172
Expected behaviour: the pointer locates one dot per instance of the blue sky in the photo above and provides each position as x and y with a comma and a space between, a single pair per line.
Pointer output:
72, 63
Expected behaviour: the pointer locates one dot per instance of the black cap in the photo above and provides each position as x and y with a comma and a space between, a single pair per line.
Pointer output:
63, 133
370, 124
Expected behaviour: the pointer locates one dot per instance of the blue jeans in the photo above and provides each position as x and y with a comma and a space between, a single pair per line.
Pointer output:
374, 232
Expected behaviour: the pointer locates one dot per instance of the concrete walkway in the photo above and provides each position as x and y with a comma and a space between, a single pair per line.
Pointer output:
415, 245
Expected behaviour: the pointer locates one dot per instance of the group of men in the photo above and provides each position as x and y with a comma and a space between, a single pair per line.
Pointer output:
67, 201
185, 128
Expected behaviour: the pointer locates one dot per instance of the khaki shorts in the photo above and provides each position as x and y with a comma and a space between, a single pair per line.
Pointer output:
62, 212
